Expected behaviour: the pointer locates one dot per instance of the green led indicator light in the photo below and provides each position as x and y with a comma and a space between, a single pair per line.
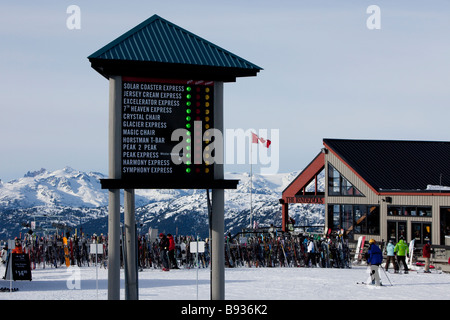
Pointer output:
188, 163
188, 170
188, 96
188, 148
188, 118
188, 111
188, 103
188, 133
188, 89
188, 125
188, 140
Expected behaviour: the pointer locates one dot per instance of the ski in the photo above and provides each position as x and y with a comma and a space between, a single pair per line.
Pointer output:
362, 249
66, 252
358, 247
369, 284
5, 289
409, 258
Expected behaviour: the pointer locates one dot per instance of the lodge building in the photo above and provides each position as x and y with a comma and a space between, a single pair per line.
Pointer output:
383, 189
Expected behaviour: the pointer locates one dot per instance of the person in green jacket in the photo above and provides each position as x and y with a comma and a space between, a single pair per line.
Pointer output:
401, 249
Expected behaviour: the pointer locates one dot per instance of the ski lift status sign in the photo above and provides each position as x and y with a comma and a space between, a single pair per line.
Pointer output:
165, 127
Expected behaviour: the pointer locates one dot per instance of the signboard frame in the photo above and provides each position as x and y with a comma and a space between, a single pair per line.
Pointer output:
156, 113
19, 264
138, 98
197, 246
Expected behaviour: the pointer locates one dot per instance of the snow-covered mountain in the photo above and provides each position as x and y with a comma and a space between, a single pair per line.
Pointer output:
66, 187
75, 198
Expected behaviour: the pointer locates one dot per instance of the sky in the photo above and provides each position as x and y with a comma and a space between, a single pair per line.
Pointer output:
328, 73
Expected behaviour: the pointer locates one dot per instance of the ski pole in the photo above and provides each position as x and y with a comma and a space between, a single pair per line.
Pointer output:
385, 273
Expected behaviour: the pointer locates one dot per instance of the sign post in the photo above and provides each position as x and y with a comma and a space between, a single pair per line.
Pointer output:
218, 214
197, 247
115, 104
130, 244
11, 245
165, 129
96, 248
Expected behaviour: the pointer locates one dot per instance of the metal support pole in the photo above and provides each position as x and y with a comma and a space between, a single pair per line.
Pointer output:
130, 245
217, 246
218, 203
114, 245
115, 97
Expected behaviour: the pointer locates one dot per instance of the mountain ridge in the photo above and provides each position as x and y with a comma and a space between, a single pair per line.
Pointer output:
75, 198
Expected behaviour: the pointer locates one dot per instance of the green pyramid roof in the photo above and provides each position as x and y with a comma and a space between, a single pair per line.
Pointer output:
159, 46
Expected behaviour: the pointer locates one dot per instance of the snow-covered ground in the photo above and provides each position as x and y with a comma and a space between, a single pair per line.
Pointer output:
75, 283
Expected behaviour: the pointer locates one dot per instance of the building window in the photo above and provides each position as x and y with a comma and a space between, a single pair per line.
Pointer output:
359, 215
421, 232
347, 217
411, 211
334, 215
373, 220
338, 185
396, 230
424, 211
354, 219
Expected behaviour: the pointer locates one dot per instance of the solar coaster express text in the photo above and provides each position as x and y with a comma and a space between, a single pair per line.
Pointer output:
151, 110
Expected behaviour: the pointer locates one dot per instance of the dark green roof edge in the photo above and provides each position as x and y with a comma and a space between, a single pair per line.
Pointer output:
130, 33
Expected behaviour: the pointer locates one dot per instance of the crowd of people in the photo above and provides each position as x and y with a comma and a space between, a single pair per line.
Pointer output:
48, 251
262, 249
288, 250
395, 254
249, 250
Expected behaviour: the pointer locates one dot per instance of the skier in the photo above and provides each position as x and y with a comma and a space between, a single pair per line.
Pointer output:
4, 255
18, 248
426, 251
272, 231
164, 247
291, 224
172, 259
375, 259
310, 256
402, 250
391, 256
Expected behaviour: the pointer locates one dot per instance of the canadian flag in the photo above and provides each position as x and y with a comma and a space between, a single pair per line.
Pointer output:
265, 142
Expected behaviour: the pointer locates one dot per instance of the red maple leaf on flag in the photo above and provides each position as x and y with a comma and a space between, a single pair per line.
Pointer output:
265, 142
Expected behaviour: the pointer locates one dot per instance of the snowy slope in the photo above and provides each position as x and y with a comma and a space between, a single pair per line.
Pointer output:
75, 283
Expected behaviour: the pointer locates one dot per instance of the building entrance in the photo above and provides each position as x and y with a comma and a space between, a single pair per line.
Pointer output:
421, 232
445, 224
396, 230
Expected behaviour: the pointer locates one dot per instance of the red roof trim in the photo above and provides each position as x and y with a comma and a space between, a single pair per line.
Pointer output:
305, 177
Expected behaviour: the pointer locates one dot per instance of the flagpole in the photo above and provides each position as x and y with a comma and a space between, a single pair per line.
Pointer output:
266, 142
251, 184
